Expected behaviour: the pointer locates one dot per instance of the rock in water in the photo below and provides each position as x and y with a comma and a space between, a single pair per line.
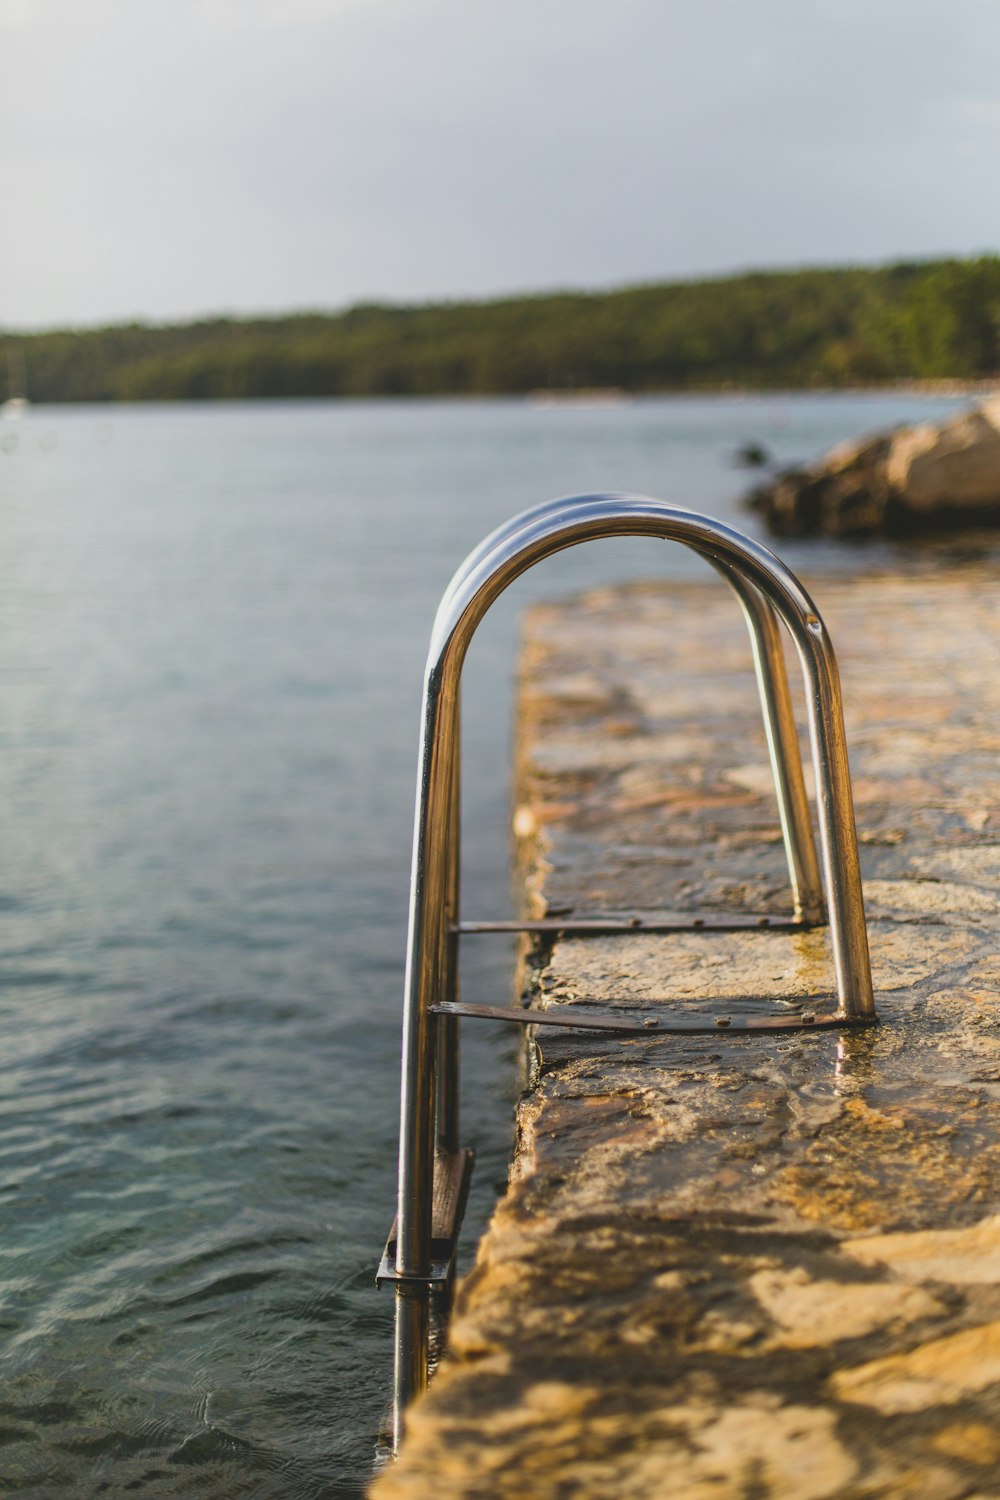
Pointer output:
954, 463
752, 455
939, 475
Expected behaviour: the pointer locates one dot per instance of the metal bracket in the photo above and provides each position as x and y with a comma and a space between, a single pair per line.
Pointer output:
452, 1175
442, 1267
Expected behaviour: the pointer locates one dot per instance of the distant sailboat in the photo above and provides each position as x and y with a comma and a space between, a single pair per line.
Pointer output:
17, 402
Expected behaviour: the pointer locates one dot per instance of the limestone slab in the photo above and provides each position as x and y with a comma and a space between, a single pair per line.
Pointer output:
755, 1266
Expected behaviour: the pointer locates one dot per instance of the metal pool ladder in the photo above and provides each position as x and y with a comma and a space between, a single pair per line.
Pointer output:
434, 1170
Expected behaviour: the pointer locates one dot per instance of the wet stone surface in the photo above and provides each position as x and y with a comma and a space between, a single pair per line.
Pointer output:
733, 1266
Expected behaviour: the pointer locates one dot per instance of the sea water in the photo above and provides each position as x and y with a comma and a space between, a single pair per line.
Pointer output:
213, 621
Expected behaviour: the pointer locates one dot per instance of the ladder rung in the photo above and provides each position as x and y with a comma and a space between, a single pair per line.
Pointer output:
675, 921
653, 1025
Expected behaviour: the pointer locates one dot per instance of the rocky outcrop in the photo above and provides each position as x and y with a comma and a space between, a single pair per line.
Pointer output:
939, 475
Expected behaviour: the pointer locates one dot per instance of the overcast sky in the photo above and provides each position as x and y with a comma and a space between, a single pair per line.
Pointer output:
168, 158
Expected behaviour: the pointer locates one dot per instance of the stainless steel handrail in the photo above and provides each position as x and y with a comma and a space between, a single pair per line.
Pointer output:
775, 699
430, 964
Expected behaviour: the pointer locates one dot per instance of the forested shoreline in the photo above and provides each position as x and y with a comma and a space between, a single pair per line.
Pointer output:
761, 330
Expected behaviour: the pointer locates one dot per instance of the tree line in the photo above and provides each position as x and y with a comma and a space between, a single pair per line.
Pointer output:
774, 329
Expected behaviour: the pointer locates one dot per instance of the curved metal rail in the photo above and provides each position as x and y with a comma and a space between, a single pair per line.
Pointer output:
775, 700
419, 1254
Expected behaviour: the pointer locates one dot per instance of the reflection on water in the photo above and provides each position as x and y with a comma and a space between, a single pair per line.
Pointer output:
213, 628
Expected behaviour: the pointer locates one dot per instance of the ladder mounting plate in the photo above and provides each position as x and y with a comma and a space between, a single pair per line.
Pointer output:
452, 1174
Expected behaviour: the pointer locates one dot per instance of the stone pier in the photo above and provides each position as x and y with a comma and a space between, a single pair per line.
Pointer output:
734, 1266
